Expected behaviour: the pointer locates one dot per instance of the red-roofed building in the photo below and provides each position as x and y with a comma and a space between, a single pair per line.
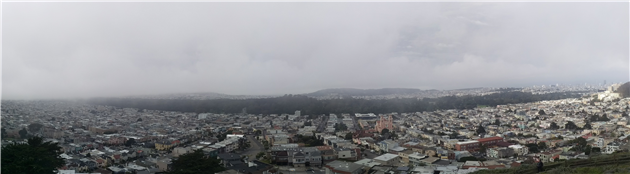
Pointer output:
554, 158
176, 142
490, 142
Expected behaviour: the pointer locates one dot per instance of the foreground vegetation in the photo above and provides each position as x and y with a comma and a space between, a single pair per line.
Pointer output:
615, 163
35, 156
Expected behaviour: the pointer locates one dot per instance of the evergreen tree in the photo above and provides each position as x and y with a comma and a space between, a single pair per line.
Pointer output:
542, 145
35, 127
604, 118
4, 133
588, 126
34, 157
554, 126
23, 133
480, 129
130, 141
348, 136
570, 125
384, 131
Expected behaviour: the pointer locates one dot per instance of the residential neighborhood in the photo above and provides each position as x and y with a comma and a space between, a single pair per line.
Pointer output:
106, 139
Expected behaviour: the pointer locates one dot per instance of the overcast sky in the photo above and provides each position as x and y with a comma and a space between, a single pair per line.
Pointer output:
59, 50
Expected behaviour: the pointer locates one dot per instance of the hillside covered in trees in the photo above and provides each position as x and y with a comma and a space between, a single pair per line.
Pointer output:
311, 106
363, 92
624, 90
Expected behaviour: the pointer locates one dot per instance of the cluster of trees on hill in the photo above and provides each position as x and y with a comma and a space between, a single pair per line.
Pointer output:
311, 106
363, 92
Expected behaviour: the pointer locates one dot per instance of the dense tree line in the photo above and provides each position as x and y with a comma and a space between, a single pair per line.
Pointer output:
311, 106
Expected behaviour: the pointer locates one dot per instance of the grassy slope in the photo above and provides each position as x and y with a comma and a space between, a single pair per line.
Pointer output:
618, 163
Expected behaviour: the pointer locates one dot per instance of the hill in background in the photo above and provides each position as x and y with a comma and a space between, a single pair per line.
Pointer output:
363, 92
624, 90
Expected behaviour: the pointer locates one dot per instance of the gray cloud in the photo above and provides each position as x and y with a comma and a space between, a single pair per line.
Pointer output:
107, 49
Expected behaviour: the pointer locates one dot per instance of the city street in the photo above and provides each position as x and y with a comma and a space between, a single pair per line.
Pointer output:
322, 125
255, 148
300, 170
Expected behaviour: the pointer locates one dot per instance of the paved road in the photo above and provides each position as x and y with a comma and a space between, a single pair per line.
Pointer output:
256, 147
322, 125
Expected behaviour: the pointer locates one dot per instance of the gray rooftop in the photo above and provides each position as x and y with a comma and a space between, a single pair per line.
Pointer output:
344, 166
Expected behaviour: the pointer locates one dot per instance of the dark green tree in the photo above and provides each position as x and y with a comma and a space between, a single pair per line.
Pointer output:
260, 154
384, 131
541, 112
196, 162
130, 141
340, 127
533, 148
468, 158
36, 156
604, 118
497, 122
35, 127
588, 126
542, 146
596, 149
23, 133
570, 125
587, 150
139, 120
554, 126
257, 132
4, 133
454, 135
580, 144
348, 136
480, 130
393, 135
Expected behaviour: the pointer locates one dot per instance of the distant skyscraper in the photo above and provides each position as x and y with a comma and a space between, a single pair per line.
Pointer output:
297, 113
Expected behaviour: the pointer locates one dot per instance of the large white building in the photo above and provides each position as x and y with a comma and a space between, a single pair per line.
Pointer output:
202, 116
520, 150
